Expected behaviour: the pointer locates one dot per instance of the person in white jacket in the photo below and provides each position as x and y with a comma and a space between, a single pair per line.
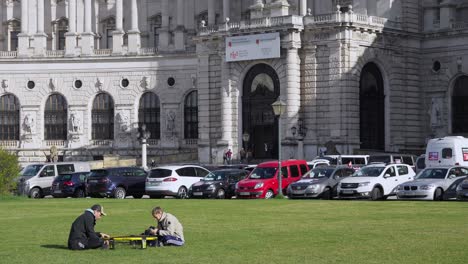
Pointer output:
169, 231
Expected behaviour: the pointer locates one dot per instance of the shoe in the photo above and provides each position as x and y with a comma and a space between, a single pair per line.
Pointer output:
105, 246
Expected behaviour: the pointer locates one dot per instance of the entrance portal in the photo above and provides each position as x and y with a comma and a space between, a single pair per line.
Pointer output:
261, 88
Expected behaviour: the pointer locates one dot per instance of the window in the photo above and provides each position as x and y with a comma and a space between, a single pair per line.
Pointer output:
48, 171
402, 170
447, 153
149, 114
14, 40
191, 116
188, 171
55, 118
201, 172
9, 117
284, 172
156, 37
408, 160
390, 171
65, 168
61, 39
103, 117
303, 169
459, 105
294, 171
109, 38
139, 173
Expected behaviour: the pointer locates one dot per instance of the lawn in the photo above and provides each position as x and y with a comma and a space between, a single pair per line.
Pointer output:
245, 231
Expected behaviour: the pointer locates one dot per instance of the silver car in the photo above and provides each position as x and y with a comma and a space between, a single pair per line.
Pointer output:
319, 182
435, 183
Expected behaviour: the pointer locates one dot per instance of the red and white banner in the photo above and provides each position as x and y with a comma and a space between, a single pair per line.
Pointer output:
253, 47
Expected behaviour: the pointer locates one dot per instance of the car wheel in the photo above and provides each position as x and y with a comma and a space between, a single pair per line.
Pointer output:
438, 195
79, 193
182, 193
376, 194
119, 193
221, 194
327, 194
35, 193
269, 194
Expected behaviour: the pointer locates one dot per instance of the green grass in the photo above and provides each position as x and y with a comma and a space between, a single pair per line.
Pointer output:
245, 231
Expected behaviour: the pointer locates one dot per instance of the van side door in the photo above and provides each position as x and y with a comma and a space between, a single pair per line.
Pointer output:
45, 179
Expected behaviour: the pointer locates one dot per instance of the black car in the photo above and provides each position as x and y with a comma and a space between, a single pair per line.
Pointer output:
117, 182
218, 184
70, 185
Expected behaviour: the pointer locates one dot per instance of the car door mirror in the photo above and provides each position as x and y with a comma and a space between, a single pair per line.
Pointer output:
451, 176
386, 175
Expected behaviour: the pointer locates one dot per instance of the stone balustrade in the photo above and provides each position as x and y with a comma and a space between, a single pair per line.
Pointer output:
6, 144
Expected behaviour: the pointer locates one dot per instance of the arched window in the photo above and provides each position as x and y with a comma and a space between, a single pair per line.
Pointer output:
55, 118
103, 117
191, 116
9, 117
149, 114
459, 106
372, 108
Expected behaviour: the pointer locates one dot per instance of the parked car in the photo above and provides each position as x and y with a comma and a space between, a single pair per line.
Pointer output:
319, 162
375, 181
36, 179
447, 151
462, 190
70, 185
173, 180
117, 182
393, 158
319, 182
262, 182
356, 161
435, 183
218, 184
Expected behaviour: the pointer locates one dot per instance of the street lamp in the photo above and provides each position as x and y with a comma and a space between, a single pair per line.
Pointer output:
144, 135
279, 107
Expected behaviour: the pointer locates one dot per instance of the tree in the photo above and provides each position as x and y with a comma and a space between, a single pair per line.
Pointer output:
9, 171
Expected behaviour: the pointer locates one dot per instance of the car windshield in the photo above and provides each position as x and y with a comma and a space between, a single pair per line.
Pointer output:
215, 176
98, 173
383, 159
263, 173
432, 174
160, 173
369, 172
31, 170
318, 173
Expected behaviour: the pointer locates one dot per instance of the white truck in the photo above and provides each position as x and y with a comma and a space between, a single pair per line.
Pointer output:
447, 151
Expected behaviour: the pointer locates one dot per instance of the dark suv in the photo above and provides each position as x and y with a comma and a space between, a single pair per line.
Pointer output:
70, 185
117, 182
218, 184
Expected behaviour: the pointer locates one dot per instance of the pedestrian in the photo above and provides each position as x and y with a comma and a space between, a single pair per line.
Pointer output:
153, 163
229, 156
242, 155
169, 231
82, 234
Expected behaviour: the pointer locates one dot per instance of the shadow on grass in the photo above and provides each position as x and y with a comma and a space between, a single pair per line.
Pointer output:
55, 246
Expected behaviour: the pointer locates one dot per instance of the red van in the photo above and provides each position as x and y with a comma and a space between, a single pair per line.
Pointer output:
262, 182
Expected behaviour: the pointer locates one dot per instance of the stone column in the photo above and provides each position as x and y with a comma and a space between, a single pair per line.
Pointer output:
70, 36
134, 39
180, 30
226, 9
206, 153
164, 30
40, 38
226, 104
53, 17
23, 37
87, 37
290, 91
117, 35
303, 7
211, 12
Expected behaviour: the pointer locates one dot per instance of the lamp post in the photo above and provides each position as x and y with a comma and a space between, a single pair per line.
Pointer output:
144, 135
279, 107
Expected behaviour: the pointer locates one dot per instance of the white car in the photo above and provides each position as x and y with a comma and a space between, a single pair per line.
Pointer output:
433, 183
376, 181
173, 180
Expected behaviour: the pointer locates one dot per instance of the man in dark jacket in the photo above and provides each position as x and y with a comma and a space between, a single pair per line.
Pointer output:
82, 234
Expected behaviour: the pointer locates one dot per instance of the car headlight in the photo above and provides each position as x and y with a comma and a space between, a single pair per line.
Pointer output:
237, 186
210, 188
427, 187
459, 187
399, 187
312, 187
258, 185
362, 184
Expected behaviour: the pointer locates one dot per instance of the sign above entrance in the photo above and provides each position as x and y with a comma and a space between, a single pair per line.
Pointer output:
253, 47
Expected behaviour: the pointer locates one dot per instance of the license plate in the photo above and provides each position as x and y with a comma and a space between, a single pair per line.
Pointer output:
93, 181
244, 193
57, 191
198, 193
347, 191
155, 183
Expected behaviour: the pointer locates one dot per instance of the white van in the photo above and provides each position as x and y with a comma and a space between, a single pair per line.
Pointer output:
447, 151
36, 179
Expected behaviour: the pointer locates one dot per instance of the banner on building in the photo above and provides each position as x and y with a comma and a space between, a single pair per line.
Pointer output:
253, 47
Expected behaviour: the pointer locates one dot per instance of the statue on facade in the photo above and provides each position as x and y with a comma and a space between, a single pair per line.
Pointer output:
28, 124
123, 121
170, 124
75, 123
436, 112
53, 154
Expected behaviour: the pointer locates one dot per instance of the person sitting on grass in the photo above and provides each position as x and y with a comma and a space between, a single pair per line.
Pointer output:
82, 234
169, 231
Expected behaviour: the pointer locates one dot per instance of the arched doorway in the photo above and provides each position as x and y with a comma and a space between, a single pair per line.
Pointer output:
459, 106
372, 108
261, 88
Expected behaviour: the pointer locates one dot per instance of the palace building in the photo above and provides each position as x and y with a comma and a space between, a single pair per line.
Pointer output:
197, 77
